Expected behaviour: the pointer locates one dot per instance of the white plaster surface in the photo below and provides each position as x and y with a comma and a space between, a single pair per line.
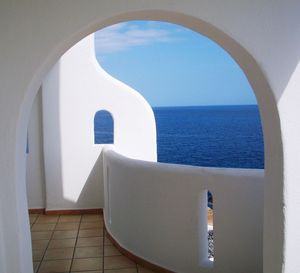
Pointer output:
74, 90
35, 176
159, 212
3, 258
262, 36
289, 106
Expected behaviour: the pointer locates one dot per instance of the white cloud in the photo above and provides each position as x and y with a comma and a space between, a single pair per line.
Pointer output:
123, 36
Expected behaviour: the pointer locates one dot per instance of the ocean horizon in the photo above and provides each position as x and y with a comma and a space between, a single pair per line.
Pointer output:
227, 136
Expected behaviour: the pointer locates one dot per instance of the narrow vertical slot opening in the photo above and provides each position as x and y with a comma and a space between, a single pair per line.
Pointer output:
210, 226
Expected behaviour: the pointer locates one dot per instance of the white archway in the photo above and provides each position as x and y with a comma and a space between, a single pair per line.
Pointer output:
274, 219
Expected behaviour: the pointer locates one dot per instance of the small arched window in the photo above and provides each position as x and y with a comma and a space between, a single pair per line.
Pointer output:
103, 128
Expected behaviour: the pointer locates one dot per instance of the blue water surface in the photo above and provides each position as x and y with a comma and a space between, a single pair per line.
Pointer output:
215, 136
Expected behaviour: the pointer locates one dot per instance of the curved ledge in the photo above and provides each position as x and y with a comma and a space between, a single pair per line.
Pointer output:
159, 211
134, 257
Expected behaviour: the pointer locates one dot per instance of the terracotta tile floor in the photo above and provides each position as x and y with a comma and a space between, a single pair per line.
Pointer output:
75, 243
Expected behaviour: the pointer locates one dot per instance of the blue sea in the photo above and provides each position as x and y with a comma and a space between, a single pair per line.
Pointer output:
218, 136
215, 136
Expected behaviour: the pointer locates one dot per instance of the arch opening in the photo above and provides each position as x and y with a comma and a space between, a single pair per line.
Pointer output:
103, 127
106, 138
247, 62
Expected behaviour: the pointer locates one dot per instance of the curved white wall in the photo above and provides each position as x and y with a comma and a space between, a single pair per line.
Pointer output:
159, 212
35, 176
74, 90
262, 36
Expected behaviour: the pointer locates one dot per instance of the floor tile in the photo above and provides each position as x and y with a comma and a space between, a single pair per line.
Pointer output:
91, 225
90, 241
55, 266
69, 218
97, 271
90, 233
111, 251
67, 226
41, 235
43, 227
40, 244
35, 266
45, 219
88, 252
93, 271
64, 234
32, 218
53, 246
61, 243
107, 241
116, 262
144, 270
87, 264
37, 254
59, 253
92, 218
122, 270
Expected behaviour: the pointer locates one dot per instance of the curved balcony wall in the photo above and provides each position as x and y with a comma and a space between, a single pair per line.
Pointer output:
159, 212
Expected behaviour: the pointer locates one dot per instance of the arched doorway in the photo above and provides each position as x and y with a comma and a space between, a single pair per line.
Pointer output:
251, 68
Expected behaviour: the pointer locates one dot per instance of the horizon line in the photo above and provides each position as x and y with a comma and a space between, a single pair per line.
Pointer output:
203, 105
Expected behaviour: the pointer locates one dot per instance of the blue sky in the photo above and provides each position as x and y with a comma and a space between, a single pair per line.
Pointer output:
171, 65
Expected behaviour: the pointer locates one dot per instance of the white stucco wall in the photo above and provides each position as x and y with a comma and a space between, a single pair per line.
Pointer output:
164, 206
35, 176
74, 90
262, 36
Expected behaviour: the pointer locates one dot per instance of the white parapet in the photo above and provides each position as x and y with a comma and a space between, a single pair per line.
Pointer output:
158, 212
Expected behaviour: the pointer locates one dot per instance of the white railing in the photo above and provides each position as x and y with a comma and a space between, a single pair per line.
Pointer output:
159, 212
